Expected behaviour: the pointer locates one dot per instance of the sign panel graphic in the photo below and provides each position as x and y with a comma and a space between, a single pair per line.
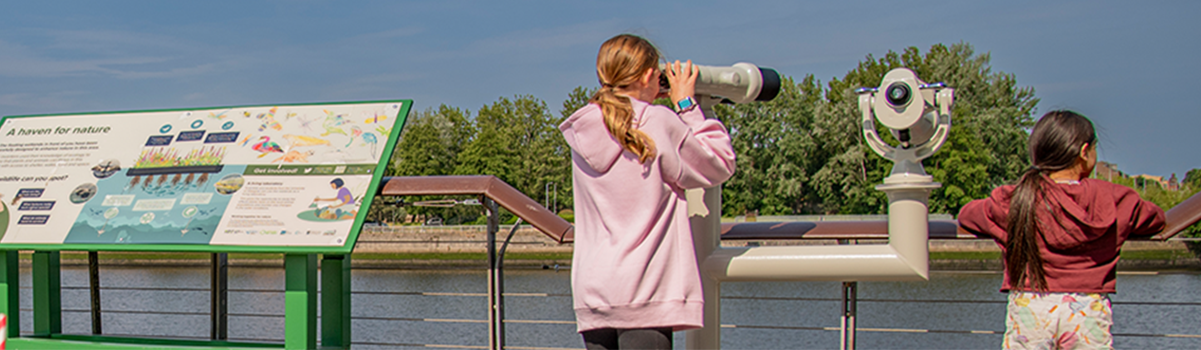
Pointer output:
292, 175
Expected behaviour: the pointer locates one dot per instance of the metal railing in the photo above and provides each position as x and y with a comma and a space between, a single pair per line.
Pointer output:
484, 295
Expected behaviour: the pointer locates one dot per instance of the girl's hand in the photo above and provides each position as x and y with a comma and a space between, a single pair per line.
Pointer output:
682, 79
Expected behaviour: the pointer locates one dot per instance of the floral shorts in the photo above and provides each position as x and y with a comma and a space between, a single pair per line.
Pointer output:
1058, 321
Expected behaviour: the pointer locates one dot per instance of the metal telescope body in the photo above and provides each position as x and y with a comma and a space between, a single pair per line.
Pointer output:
916, 113
738, 83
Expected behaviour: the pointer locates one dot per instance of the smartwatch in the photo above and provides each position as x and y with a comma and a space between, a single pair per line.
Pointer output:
685, 104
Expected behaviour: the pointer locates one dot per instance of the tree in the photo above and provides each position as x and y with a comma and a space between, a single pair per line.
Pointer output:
1192, 179
773, 147
430, 144
519, 142
804, 152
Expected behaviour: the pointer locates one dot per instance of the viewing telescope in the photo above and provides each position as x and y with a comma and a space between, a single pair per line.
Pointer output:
740, 83
917, 114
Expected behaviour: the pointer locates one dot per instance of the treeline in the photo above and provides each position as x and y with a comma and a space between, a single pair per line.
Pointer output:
801, 153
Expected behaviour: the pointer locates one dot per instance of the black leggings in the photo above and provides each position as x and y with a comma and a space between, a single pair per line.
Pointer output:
642, 338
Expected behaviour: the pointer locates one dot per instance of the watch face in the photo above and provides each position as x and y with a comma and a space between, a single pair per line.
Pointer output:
685, 103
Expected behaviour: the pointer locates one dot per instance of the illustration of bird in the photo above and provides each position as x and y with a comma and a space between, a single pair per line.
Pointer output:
371, 141
266, 146
333, 123
355, 132
302, 140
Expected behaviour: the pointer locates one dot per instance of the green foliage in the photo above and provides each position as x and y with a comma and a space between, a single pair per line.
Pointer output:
1165, 199
431, 142
1192, 179
773, 145
519, 142
429, 145
803, 152
578, 98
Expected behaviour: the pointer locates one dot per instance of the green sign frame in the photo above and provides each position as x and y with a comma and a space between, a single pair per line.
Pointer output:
246, 119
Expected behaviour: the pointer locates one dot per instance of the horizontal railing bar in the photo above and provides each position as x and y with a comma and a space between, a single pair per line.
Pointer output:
458, 346
441, 242
161, 289
728, 326
178, 313
939, 331
419, 345
564, 295
253, 315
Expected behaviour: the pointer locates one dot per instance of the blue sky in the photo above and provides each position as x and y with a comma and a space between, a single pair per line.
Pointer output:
1130, 66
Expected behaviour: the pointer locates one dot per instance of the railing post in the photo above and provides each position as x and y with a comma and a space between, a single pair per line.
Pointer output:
704, 214
10, 291
220, 296
47, 294
335, 301
300, 301
496, 331
850, 300
94, 288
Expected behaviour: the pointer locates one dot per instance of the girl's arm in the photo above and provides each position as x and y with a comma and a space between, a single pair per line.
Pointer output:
1146, 218
980, 217
706, 156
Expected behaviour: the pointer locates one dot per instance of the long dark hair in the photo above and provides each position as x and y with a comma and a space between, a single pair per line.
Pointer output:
1055, 144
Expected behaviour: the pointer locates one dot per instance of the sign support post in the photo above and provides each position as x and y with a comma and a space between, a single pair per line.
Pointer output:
335, 301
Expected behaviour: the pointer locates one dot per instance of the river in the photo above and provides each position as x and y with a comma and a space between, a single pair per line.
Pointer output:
446, 308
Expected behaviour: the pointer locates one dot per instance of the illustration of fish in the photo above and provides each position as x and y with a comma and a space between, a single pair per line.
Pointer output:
302, 140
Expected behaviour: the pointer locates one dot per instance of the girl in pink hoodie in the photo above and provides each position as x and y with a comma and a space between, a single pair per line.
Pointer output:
1061, 233
635, 276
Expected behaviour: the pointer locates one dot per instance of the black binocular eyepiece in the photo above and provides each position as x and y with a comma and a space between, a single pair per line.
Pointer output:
898, 94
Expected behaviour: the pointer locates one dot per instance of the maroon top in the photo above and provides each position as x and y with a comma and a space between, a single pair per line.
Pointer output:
1083, 228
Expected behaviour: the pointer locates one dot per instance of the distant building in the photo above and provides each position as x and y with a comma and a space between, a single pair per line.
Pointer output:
1152, 178
1173, 183
1108, 171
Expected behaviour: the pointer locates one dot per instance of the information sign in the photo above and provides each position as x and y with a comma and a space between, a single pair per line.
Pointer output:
285, 177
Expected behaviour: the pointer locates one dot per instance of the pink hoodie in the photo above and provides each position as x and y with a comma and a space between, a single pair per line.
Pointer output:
634, 264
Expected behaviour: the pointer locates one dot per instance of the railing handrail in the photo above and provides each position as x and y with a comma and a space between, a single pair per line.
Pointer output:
1178, 218
486, 185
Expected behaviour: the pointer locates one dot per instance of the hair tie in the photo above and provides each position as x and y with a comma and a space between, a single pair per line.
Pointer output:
1036, 168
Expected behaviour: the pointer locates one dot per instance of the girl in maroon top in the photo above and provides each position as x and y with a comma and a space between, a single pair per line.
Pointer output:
1060, 233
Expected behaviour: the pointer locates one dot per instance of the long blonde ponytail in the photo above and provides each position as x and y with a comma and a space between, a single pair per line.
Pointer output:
621, 61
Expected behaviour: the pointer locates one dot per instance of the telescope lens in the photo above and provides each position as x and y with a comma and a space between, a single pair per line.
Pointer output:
898, 94
771, 84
